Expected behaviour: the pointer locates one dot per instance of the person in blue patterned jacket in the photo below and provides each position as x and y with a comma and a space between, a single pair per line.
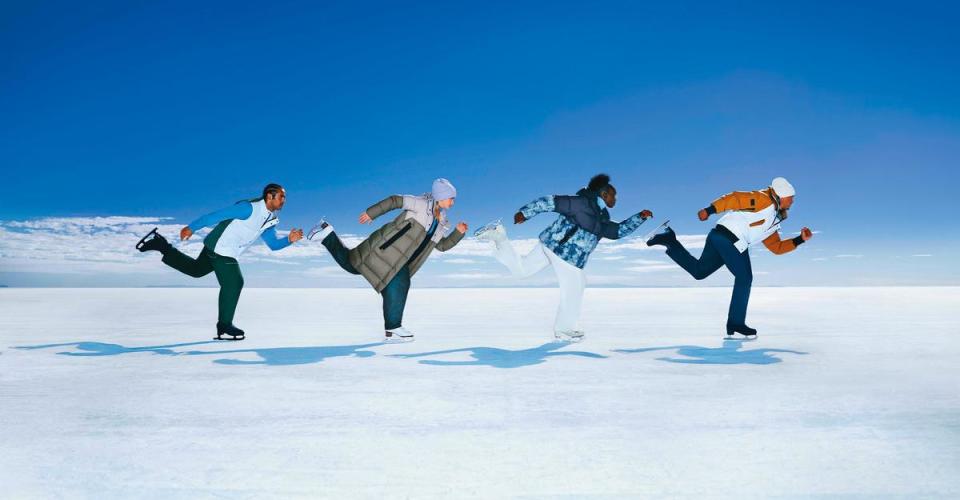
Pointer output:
566, 244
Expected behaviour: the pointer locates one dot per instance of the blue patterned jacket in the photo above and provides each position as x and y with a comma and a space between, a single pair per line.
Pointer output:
582, 222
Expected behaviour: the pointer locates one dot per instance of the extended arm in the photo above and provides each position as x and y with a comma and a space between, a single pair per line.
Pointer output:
449, 241
780, 247
616, 230
537, 206
275, 241
737, 200
381, 207
235, 211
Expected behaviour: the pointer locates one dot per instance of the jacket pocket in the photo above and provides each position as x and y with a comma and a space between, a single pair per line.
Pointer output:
758, 223
566, 237
396, 236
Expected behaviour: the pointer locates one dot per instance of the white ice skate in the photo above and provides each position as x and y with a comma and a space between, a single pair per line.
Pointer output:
398, 335
493, 231
320, 231
569, 335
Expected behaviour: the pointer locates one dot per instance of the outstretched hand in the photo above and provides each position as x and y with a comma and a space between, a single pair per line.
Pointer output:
462, 227
365, 219
646, 214
185, 233
295, 235
518, 218
806, 233
702, 214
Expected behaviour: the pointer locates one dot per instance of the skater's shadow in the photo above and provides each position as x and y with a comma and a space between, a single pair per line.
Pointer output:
501, 358
277, 356
104, 349
728, 354
281, 356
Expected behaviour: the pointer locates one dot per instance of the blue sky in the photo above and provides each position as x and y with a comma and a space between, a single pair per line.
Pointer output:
113, 115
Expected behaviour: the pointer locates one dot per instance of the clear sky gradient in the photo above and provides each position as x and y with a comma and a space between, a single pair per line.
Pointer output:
172, 110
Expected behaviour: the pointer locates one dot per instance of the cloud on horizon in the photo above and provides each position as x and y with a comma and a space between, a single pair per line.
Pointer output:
104, 246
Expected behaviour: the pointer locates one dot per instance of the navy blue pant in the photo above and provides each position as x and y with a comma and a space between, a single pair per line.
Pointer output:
719, 251
394, 295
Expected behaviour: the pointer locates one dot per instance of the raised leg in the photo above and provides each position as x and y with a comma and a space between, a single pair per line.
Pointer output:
197, 268
340, 253
524, 267
701, 268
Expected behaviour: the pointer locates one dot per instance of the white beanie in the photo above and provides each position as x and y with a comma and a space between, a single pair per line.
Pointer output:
442, 190
783, 188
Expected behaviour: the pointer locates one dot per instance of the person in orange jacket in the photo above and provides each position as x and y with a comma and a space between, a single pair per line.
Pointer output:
752, 217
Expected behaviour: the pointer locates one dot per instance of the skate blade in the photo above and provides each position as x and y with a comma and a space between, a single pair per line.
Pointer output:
740, 336
656, 230
143, 240
229, 339
397, 340
569, 339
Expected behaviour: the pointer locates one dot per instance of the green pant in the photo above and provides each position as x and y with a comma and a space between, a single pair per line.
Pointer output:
227, 270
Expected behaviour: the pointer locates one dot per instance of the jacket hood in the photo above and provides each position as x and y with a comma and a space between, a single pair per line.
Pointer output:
588, 193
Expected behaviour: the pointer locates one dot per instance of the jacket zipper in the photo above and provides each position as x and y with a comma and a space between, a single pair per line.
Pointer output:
566, 237
395, 237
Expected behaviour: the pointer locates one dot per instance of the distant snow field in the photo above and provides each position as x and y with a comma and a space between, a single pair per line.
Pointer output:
122, 393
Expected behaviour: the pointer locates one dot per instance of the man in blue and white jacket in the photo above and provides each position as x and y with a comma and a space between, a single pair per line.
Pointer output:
566, 244
236, 227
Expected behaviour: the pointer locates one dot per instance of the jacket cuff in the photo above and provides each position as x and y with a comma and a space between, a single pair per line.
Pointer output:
798, 241
711, 209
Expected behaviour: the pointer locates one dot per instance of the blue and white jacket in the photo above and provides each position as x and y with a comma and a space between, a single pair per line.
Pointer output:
238, 226
582, 222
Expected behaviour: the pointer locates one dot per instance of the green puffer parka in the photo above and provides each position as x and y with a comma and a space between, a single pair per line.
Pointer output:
381, 256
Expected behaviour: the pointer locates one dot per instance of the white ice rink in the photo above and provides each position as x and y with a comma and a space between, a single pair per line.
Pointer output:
109, 393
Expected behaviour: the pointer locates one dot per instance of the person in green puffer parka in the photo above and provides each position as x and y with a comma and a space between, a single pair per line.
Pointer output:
390, 256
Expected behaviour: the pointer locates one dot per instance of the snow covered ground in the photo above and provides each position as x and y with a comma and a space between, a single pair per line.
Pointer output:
109, 393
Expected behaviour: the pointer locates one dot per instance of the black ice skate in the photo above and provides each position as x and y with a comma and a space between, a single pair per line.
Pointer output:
746, 331
232, 332
153, 241
665, 238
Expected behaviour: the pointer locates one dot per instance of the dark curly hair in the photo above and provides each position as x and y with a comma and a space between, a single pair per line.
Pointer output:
599, 182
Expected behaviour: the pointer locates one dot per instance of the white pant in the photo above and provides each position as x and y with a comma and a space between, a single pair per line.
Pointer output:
572, 279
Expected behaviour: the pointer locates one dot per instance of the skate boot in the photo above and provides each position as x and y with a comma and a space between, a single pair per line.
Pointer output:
746, 331
153, 241
398, 335
320, 231
666, 238
493, 231
232, 332
570, 335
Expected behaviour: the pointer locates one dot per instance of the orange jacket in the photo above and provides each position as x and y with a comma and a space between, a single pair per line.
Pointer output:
754, 201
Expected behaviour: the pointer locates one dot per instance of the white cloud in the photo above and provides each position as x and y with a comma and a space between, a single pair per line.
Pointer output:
325, 272
648, 269
647, 262
473, 276
92, 248
849, 256
922, 255
607, 247
460, 261
80, 245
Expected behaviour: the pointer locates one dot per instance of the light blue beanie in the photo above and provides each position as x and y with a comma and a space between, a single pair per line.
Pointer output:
442, 190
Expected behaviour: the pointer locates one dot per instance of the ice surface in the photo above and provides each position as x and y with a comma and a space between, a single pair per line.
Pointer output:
122, 393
